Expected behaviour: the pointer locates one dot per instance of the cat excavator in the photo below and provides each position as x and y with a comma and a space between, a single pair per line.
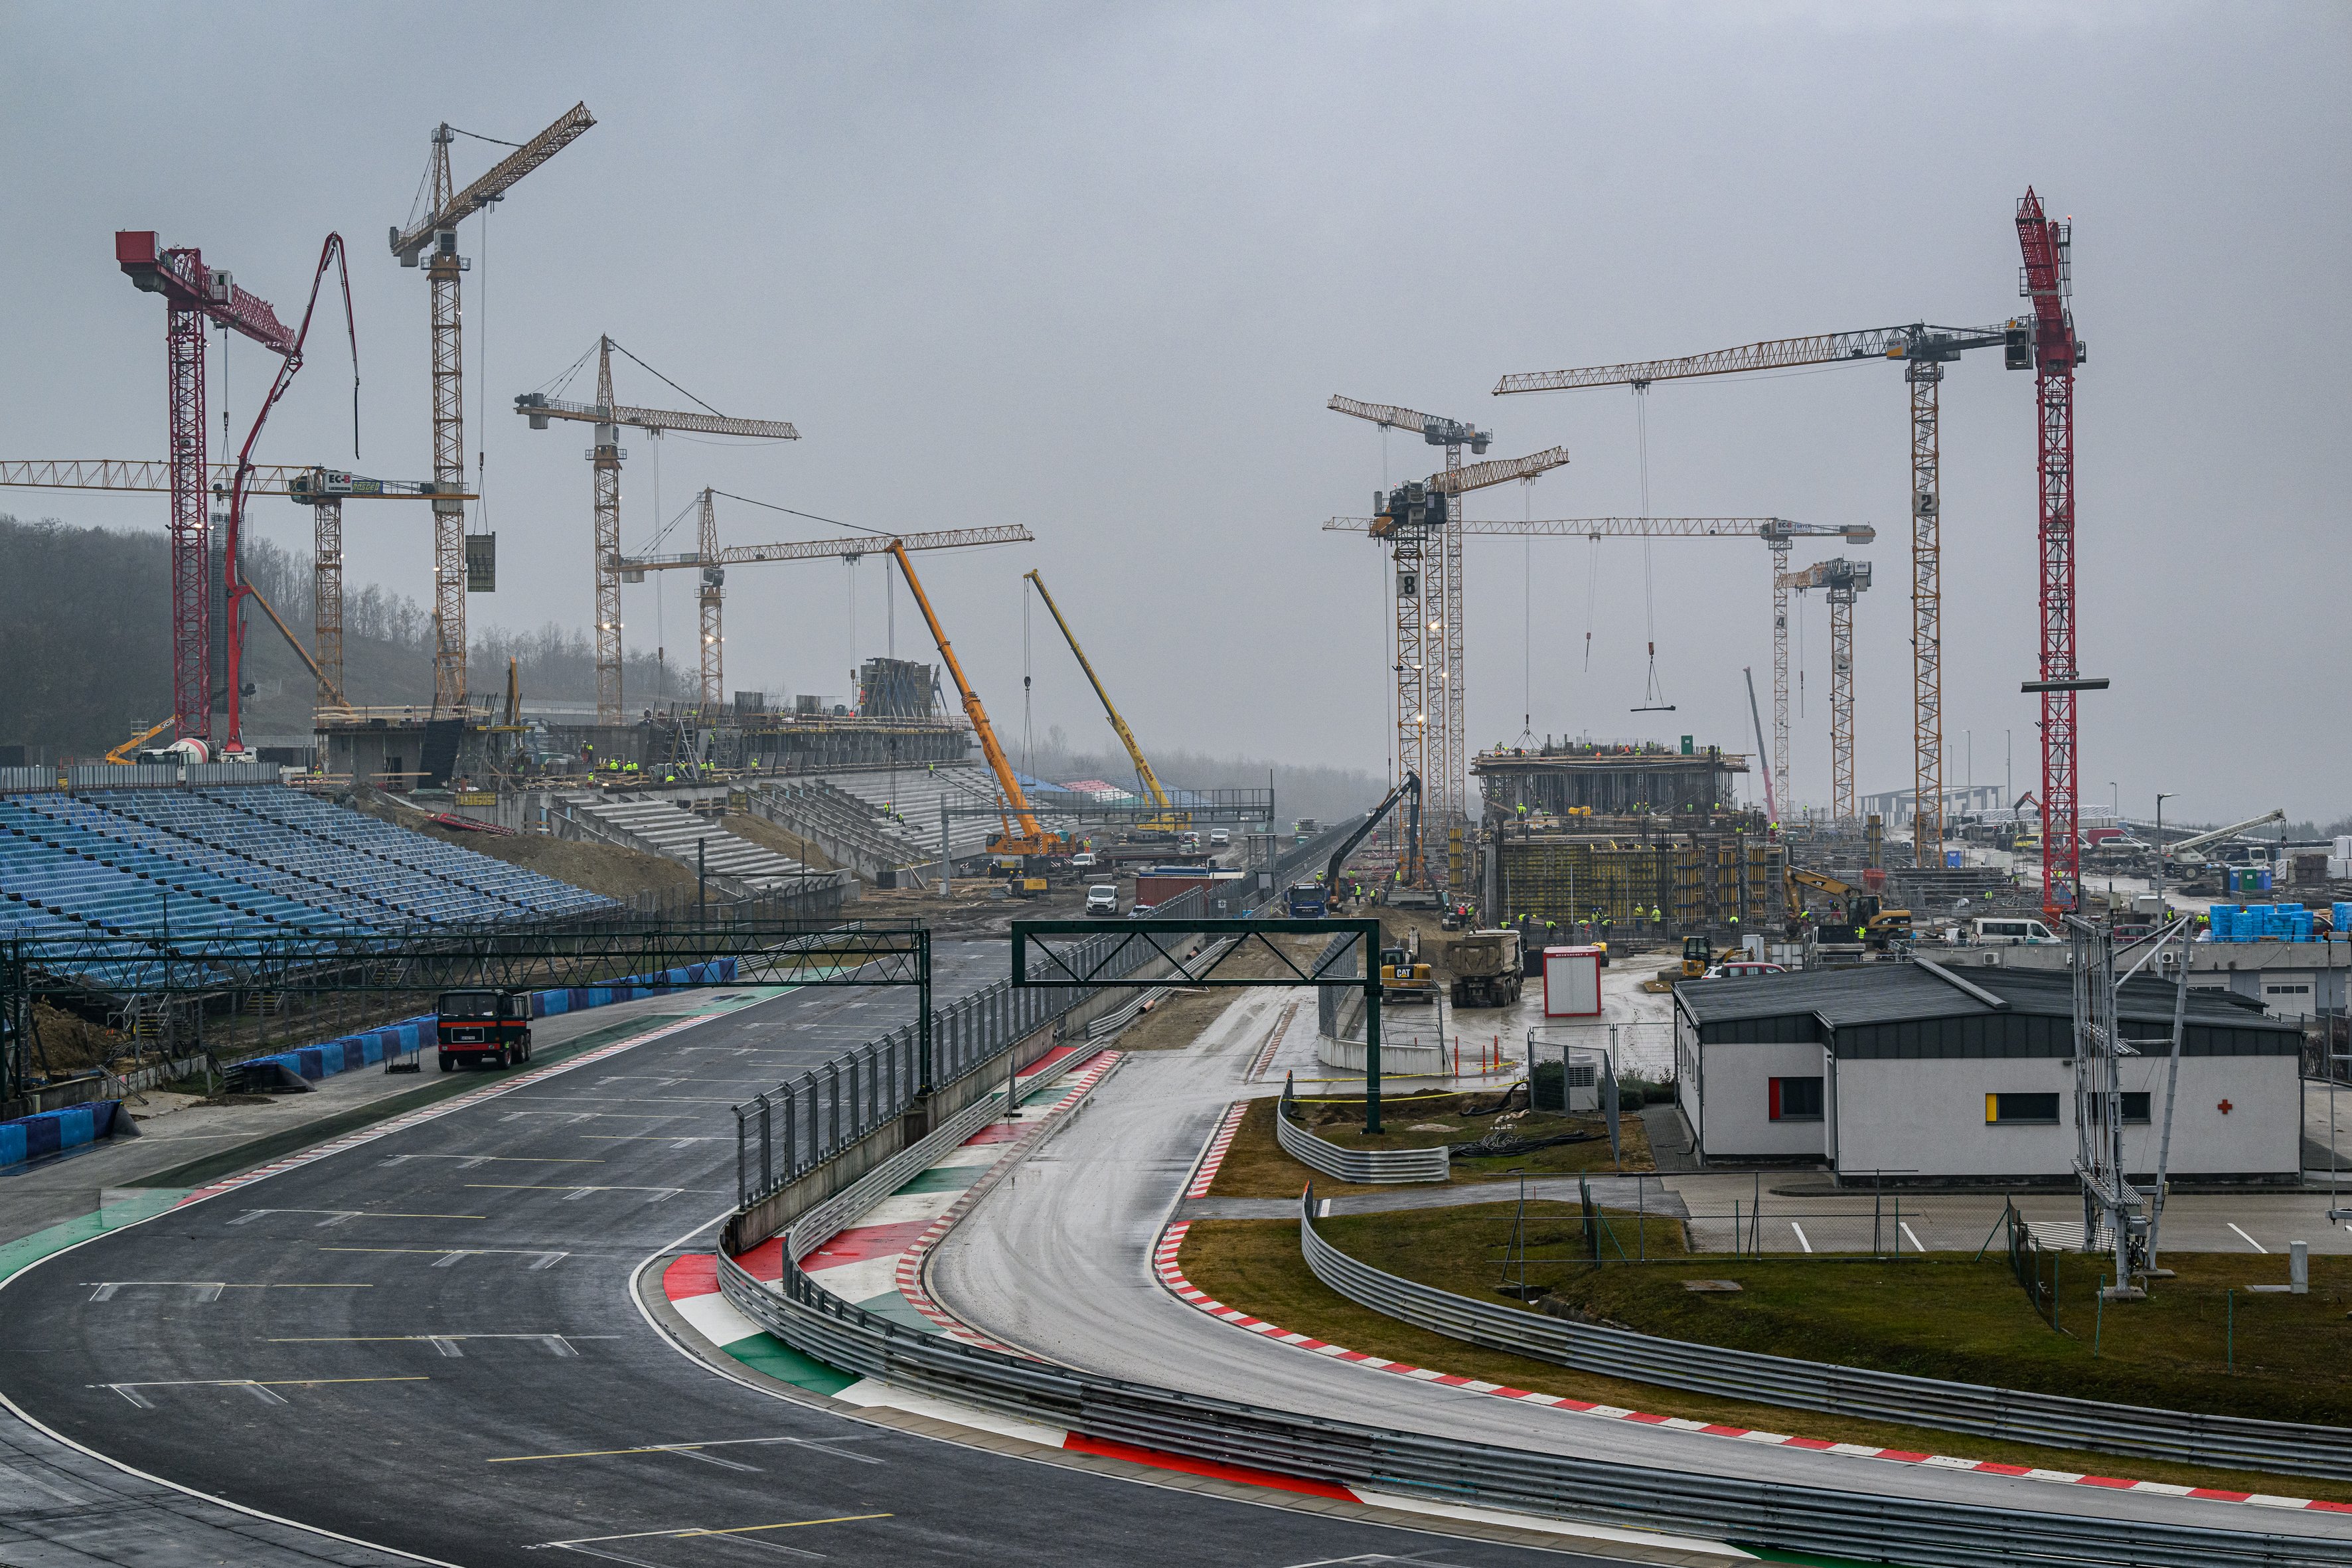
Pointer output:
1861, 913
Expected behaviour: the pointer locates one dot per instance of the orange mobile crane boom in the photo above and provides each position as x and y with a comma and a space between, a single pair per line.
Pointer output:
1033, 839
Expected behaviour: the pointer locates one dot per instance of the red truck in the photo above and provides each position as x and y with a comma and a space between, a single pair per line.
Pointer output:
493, 1027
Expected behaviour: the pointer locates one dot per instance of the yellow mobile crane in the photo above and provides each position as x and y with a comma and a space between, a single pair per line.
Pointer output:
1167, 819
1033, 838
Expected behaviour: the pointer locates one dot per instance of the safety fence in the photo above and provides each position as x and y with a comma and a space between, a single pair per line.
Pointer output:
785, 1133
2014, 1415
1371, 1166
1855, 1524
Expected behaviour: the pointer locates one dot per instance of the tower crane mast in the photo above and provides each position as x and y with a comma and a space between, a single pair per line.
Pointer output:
438, 231
1845, 580
608, 416
2053, 352
1923, 350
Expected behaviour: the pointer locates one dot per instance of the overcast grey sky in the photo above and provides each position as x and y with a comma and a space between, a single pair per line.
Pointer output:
1094, 269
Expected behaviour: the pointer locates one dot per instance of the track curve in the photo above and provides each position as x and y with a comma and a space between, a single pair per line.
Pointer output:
428, 1342
1059, 1263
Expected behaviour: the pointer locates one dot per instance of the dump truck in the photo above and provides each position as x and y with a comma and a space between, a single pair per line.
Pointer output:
1485, 967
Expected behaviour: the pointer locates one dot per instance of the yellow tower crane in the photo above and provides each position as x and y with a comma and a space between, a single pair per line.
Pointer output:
1033, 839
1169, 819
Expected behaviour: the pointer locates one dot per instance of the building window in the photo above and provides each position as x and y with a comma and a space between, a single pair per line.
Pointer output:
2287, 990
2025, 1108
1796, 1099
2135, 1105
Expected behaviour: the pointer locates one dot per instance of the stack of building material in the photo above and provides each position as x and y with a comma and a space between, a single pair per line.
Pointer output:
2271, 923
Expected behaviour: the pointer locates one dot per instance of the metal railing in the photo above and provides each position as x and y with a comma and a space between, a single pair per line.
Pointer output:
2017, 1415
1857, 1524
1368, 1166
788, 1132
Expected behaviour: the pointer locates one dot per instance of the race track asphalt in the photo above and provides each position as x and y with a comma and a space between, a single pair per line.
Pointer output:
429, 1342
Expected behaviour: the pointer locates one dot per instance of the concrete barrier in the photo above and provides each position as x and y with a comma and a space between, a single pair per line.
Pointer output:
55, 1132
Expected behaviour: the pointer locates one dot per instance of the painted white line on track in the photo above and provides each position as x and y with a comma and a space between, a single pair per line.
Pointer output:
1913, 1235
2257, 1246
1800, 1235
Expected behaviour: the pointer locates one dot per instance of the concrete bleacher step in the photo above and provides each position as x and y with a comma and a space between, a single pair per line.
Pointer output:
676, 833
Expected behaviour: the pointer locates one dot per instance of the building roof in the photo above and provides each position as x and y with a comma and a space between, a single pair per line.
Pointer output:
1932, 1009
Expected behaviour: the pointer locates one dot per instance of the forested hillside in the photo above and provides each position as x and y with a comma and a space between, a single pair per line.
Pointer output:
86, 659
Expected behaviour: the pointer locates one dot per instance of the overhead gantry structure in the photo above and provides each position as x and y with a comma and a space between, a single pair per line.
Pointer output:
711, 561
438, 231
1923, 350
608, 416
1777, 532
1845, 580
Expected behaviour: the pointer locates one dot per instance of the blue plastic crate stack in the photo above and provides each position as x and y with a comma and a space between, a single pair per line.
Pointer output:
2274, 922
117, 868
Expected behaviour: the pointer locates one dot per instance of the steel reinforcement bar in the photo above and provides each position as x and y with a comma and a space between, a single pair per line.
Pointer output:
2017, 1415
1854, 1525
1368, 1166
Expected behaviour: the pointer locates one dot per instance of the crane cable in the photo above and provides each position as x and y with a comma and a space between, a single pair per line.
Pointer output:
1028, 729
1653, 698
1526, 614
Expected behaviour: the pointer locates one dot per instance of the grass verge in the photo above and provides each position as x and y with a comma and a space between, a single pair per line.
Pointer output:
1254, 1265
1256, 1166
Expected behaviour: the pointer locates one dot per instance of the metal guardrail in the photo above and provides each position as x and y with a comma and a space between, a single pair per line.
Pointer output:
2015, 1415
788, 1132
1855, 1524
1369, 1166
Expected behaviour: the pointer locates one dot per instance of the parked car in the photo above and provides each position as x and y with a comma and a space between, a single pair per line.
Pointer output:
1219, 838
1102, 899
1139, 911
1083, 860
2011, 931
1740, 968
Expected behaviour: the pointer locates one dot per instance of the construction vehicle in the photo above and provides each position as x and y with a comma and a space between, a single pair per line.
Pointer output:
121, 756
1861, 914
2184, 851
1033, 839
1404, 975
489, 1027
1166, 818
1312, 900
1486, 969
1697, 956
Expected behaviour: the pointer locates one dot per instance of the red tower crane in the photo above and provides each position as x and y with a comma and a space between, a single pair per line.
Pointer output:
2050, 348
193, 294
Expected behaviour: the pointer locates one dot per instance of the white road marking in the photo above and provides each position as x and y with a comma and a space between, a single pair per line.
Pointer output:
1800, 1235
1913, 1235
2257, 1246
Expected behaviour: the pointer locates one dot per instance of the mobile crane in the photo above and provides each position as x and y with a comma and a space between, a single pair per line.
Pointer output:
1033, 839
1166, 819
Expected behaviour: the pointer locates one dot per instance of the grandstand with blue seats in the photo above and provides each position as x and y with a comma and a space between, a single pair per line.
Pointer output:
245, 861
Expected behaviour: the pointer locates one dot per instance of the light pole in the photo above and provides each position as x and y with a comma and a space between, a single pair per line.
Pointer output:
2161, 797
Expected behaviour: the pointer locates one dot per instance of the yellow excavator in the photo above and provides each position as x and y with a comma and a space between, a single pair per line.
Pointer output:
1165, 818
1872, 924
1032, 838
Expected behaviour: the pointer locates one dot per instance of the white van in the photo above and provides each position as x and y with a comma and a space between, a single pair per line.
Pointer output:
1219, 838
1102, 899
1996, 932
